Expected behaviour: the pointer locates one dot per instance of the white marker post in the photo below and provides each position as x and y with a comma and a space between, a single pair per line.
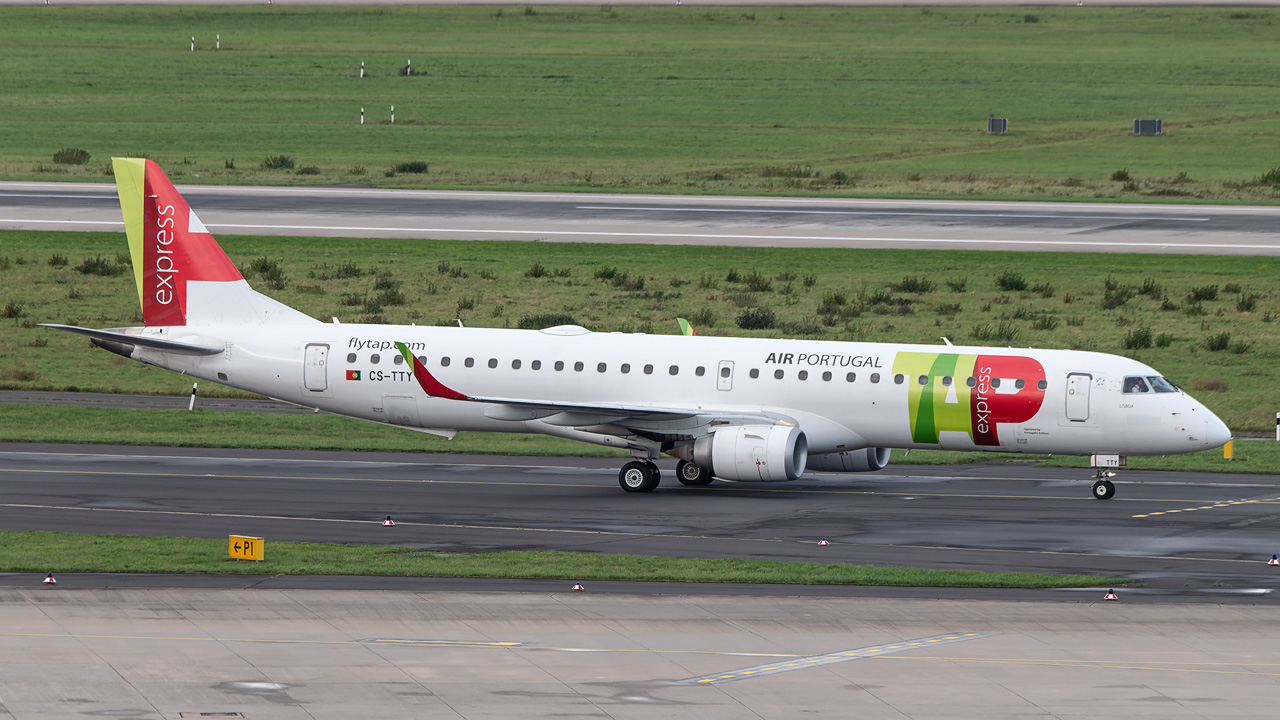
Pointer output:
1277, 427
218, 46
361, 116
393, 114
361, 68
193, 43
408, 67
192, 405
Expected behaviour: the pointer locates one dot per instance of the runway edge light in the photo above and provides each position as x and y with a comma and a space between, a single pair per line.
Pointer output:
823, 542
50, 581
388, 522
1274, 560
1111, 595
577, 587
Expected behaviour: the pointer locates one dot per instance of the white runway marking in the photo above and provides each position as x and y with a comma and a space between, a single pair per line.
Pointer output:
918, 213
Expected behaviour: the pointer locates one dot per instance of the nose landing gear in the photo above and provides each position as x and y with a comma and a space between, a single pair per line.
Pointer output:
1104, 489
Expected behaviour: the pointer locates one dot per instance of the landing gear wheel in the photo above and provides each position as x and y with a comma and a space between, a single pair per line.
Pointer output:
638, 476
1104, 490
689, 474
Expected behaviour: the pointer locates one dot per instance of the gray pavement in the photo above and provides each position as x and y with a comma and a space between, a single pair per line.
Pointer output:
268, 654
671, 220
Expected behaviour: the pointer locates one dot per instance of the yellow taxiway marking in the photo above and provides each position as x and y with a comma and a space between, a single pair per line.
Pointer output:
1224, 503
1156, 666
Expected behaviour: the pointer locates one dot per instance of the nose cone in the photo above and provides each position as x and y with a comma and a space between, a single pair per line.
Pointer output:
1217, 432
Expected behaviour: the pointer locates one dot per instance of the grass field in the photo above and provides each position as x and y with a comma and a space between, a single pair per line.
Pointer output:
1222, 346
869, 101
69, 552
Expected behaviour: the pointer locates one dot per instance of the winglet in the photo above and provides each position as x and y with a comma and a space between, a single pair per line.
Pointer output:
430, 385
685, 327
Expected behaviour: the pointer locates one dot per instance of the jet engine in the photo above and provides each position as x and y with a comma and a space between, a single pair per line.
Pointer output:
753, 453
864, 460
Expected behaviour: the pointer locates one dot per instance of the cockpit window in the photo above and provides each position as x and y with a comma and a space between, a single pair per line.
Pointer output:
1135, 384
1161, 385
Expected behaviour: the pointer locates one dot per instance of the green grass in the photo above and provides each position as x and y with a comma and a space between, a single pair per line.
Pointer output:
817, 293
203, 428
69, 552
683, 99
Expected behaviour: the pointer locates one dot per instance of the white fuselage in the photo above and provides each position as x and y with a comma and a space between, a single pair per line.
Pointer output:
843, 395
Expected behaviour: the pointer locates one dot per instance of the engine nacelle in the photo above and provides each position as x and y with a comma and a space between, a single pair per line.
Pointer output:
753, 453
864, 460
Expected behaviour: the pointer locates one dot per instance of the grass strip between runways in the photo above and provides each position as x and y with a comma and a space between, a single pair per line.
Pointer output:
71, 552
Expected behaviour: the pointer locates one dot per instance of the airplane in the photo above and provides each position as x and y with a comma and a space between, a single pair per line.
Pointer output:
733, 409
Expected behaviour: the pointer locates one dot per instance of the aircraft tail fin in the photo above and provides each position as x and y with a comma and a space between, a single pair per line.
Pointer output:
182, 274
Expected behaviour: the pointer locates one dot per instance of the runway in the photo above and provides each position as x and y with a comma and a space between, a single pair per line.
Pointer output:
667, 219
1182, 536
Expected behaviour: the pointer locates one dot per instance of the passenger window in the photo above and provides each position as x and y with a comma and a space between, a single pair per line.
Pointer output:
577, 367
601, 367
648, 369
397, 359
724, 372
1042, 385
1019, 383
875, 377
777, 374
422, 359
754, 373
626, 368
803, 374
946, 381
515, 364
536, 365
351, 357
826, 376
1135, 385
971, 382
854, 376
700, 371
469, 362
559, 365
444, 361
897, 379
374, 358
995, 382
674, 370
493, 363
924, 379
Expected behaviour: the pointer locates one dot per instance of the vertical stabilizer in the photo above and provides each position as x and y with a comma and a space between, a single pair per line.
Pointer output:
183, 276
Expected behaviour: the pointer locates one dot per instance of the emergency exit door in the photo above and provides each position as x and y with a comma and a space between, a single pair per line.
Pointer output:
724, 375
314, 373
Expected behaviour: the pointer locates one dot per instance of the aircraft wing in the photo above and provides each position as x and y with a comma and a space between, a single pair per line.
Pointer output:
578, 414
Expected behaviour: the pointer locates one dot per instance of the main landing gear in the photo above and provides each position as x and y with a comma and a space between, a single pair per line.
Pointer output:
1104, 489
689, 474
639, 476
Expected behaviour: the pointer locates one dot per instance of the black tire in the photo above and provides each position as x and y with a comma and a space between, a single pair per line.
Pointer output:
1104, 490
637, 477
689, 474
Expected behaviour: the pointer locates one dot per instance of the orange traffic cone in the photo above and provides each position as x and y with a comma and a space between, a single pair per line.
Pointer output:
388, 522
50, 581
823, 542
1274, 560
1111, 595
577, 587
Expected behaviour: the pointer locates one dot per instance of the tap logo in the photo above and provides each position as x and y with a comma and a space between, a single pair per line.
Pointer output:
977, 406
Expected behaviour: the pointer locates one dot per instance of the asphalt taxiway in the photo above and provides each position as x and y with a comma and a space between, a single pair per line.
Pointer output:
668, 219
1179, 536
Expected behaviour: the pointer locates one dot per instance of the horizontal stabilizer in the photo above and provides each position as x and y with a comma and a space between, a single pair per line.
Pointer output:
171, 346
